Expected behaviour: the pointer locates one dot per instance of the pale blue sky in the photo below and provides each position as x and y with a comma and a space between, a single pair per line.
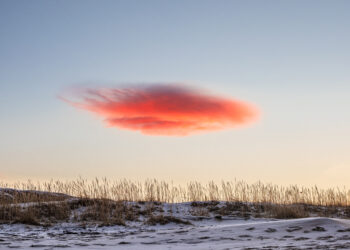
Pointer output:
291, 58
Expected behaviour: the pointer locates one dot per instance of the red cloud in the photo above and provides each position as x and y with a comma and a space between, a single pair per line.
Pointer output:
164, 109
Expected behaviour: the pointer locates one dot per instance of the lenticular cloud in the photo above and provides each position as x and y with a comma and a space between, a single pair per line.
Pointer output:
158, 109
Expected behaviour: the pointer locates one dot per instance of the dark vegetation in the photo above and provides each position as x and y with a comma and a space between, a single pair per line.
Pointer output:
106, 212
131, 202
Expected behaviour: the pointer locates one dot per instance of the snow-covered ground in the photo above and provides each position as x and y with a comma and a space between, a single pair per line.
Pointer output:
307, 233
199, 227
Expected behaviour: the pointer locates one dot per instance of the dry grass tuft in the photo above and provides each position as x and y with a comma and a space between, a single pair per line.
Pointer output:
162, 220
288, 211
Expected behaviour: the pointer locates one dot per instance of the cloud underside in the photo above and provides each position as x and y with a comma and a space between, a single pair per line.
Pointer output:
171, 110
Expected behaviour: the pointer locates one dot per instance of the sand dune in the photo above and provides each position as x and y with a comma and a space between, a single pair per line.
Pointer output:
307, 233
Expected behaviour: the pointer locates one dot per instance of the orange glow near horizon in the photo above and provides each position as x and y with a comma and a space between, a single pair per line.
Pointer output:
164, 109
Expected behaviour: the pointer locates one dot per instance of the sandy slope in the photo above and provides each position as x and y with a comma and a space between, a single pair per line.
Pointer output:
308, 233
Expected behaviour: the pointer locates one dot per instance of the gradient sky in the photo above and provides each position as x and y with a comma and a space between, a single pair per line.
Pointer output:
290, 58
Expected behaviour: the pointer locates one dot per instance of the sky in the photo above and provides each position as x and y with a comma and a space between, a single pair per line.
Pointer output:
290, 59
